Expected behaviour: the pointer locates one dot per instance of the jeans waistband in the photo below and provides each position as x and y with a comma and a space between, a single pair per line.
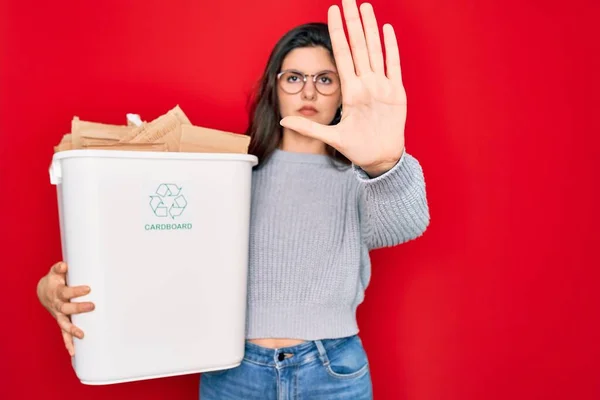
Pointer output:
292, 355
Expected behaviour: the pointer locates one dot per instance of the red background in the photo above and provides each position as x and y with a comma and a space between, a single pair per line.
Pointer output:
499, 299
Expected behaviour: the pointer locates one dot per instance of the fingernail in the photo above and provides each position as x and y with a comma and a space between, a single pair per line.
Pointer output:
89, 307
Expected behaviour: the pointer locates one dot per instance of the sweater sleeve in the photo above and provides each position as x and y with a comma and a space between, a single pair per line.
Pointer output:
393, 206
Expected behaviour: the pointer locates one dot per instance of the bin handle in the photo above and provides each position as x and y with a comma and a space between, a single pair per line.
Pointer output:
55, 173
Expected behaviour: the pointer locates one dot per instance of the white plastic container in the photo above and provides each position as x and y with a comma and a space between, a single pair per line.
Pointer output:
162, 240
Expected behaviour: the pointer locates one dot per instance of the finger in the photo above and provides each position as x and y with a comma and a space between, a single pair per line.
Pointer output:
59, 268
306, 127
394, 71
69, 308
341, 50
360, 54
68, 339
66, 326
66, 293
373, 38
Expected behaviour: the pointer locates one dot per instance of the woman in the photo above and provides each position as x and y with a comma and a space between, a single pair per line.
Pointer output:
333, 183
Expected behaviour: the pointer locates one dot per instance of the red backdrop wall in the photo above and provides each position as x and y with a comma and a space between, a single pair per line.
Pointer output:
498, 300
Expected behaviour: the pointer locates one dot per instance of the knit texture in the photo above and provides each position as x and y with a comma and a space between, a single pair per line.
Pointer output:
311, 230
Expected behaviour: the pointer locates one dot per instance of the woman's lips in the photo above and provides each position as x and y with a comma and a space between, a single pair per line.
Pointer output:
307, 111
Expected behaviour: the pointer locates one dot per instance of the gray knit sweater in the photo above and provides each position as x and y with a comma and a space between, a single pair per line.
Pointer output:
311, 230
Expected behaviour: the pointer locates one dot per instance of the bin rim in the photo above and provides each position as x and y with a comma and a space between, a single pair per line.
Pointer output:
154, 155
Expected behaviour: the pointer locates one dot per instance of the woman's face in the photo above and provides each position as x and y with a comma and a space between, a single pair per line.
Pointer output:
309, 103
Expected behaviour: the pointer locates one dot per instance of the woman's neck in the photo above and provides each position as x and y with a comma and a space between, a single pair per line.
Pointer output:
294, 142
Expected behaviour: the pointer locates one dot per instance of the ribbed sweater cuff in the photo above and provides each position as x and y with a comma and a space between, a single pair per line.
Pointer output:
395, 202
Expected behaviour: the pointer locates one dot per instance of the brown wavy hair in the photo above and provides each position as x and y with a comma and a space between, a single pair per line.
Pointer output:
264, 116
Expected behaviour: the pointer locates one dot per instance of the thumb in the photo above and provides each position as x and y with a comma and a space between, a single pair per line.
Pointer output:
312, 129
60, 268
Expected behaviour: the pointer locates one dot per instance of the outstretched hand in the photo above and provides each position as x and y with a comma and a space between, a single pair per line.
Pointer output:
371, 132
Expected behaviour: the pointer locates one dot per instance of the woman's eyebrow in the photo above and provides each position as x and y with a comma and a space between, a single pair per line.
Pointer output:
316, 73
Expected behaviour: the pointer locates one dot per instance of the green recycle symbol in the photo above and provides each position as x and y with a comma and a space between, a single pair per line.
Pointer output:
168, 201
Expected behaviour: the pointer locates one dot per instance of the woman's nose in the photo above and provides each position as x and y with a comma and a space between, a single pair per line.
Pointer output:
309, 90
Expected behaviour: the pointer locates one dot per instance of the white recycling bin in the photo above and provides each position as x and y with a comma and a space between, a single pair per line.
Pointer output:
162, 240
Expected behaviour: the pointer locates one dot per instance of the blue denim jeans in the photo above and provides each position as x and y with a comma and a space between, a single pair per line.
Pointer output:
329, 369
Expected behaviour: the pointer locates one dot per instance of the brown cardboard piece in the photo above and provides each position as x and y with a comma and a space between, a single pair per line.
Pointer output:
195, 139
84, 133
164, 129
66, 143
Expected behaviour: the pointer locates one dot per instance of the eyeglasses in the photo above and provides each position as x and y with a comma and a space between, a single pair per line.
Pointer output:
293, 81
